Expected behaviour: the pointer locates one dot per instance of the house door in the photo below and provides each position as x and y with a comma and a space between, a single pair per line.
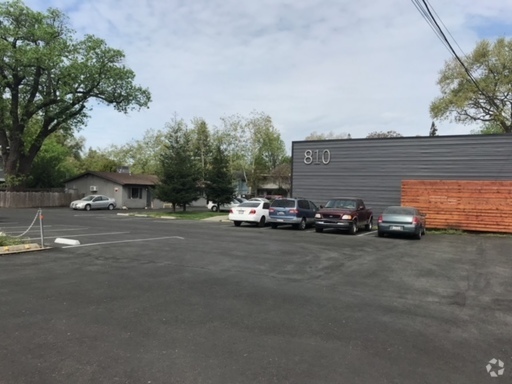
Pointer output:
148, 197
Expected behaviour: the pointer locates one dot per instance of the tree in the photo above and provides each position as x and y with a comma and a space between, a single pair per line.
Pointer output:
463, 102
382, 134
433, 129
491, 128
253, 145
281, 175
201, 145
142, 156
57, 161
99, 161
179, 174
219, 180
328, 136
49, 76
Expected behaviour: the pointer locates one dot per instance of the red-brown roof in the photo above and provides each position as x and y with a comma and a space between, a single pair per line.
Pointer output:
122, 178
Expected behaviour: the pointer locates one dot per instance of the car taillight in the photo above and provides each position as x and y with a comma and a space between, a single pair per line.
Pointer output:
271, 210
253, 212
380, 219
231, 211
295, 211
415, 220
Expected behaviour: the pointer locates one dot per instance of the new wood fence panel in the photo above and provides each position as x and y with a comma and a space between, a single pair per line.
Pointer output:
458, 204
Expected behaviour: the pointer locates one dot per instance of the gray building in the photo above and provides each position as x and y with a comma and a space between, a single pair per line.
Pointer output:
130, 191
373, 169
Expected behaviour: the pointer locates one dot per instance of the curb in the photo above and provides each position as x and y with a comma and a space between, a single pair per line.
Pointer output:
10, 249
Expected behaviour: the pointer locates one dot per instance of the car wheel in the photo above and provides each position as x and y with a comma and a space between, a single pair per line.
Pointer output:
319, 230
273, 226
302, 224
110, 207
88, 207
380, 234
369, 226
424, 231
237, 223
262, 222
418, 235
214, 208
353, 228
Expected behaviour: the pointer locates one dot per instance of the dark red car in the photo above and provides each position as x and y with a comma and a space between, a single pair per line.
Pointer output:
344, 213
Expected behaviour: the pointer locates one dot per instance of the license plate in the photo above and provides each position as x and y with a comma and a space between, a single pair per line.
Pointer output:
241, 212
280, 213
280, 220
394, 228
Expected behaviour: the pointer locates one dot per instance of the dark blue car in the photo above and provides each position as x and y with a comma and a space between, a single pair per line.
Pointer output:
299, 213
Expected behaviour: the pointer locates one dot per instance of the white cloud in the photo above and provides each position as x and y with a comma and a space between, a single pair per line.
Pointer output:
316, 65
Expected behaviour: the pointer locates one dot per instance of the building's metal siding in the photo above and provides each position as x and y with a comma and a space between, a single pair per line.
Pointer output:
373, 169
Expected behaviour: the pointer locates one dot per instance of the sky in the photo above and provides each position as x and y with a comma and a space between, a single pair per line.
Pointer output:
312, 65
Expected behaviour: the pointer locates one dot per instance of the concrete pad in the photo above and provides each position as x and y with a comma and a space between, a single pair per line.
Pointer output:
61, 240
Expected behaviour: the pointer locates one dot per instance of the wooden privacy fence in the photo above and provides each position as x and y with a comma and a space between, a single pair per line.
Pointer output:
36, 199
467, 205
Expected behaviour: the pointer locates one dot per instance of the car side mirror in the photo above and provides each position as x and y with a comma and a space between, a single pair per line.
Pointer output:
360, 208
321, 206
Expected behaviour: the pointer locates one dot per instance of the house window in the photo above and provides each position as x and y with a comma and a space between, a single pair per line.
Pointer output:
136, 193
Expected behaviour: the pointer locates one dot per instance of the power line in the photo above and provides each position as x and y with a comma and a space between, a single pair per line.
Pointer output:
427, 15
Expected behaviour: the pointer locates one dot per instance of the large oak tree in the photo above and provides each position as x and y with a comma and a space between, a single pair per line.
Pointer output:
489, 103
48, 80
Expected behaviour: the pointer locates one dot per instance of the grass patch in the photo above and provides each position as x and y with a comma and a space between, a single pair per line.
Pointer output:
180, 215
461, 232
8, 240
446, 232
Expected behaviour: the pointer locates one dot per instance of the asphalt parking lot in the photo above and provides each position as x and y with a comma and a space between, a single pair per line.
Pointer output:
144, 300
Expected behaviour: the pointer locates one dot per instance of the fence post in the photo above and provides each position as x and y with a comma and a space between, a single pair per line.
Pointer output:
41, 226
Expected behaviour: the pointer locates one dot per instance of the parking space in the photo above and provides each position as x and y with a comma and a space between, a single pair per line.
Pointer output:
152, 300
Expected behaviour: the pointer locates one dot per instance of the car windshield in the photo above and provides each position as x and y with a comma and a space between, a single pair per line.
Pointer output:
283, 203
88, 198
338, 203
398, 211
249, 205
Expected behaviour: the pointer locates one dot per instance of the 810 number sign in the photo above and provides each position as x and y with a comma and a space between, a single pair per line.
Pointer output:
317, 156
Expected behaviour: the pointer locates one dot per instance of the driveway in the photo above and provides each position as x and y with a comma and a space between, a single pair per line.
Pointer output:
145, 300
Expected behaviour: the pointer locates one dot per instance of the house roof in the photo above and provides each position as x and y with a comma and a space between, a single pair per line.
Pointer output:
121, 178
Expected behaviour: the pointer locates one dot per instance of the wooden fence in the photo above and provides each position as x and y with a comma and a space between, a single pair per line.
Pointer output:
36, 199
467, 205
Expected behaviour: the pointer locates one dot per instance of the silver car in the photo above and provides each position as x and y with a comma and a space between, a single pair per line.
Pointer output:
94, 202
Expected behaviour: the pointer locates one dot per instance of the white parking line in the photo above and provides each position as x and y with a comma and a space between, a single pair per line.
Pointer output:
125, 241
91, 234
366, 233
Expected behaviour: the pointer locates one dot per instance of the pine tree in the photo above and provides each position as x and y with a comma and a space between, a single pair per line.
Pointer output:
179, 175
219, 184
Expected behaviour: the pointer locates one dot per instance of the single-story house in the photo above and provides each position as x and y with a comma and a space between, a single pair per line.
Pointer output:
130, 191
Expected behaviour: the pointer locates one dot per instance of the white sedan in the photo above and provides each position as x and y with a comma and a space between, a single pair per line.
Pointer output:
254, 212
94, 202
224, 207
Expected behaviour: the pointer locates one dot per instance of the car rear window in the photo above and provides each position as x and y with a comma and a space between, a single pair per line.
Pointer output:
398, 211
253, 204
282, 203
